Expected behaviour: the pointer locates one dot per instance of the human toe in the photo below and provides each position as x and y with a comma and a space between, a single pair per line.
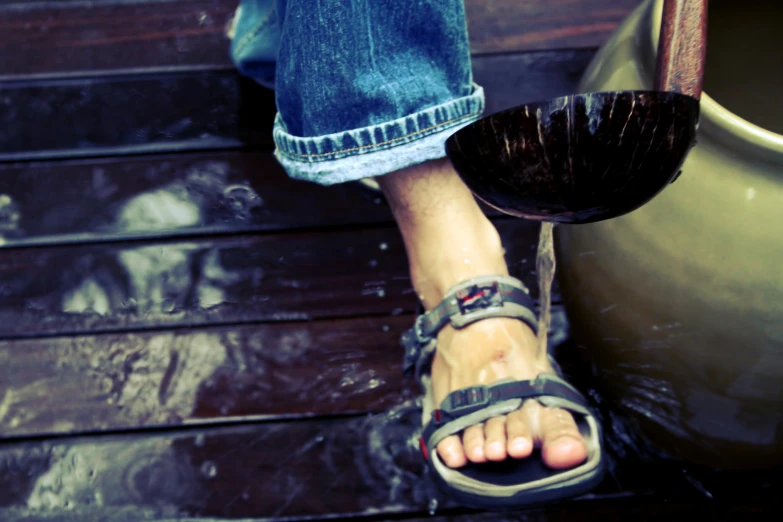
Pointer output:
562, 444
451, 452
495, 439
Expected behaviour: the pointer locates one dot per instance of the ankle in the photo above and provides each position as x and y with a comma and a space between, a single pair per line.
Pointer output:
436, 270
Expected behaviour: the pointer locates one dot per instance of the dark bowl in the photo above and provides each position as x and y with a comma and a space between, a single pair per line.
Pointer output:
577, 159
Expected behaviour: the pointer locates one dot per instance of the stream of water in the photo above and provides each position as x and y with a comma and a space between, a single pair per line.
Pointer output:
545, 268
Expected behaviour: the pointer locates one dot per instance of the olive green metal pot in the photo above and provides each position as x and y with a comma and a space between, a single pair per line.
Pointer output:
678, 306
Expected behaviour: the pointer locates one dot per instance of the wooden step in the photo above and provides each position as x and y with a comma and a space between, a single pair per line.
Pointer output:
133, 114
220, 280
320, 468
121, 36
128, 381
365, 467
208, 110
170, 195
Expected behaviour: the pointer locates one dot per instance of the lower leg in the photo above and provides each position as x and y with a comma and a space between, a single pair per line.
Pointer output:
447, 236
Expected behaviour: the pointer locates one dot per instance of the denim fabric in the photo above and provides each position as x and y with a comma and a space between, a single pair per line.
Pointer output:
363, 87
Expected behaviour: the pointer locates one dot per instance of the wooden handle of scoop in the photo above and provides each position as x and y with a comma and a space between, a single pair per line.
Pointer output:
682, 47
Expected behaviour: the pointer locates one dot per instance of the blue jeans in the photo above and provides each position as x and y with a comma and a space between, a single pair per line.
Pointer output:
363, 87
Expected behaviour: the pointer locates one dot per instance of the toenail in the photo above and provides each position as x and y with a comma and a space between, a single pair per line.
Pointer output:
520, 444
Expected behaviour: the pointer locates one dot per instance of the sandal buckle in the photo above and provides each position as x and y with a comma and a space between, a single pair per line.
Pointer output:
466, 400
475, 302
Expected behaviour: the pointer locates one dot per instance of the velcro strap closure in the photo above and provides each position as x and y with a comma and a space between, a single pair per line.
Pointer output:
467, 400
471, 301
463, 408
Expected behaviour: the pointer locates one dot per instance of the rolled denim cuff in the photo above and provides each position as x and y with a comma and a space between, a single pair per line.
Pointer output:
379, 149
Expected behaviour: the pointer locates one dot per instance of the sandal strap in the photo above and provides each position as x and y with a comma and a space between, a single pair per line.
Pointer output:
475, 404
466, 303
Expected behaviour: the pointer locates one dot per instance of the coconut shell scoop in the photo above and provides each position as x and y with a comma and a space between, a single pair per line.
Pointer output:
590, 157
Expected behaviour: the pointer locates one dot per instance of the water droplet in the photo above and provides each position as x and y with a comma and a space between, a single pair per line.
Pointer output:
209, 469
384, 246
373, 263
433, 506
381, 292
200, 440
385, 328
245, 495
397, 311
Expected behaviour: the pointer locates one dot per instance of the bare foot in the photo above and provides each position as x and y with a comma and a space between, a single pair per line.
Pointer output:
449, 240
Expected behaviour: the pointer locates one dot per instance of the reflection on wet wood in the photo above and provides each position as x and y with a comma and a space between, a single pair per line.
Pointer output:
164, 34
208, 110
229, 374
153, 379
161, 196
364, 466
102, 116
294, 276
320, 468
353, 466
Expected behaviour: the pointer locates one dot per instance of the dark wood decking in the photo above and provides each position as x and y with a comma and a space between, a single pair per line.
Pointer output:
187, 334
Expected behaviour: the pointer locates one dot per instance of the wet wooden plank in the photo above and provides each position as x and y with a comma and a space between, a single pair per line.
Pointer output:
502, 26
117, 36
169, 195
175, 112
105, 116
640, 508
511, 80
68, 37
215, 192
228, 374
110, 382
367, 467
199, 281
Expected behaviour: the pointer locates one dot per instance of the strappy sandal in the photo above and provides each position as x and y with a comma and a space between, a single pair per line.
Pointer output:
512, 482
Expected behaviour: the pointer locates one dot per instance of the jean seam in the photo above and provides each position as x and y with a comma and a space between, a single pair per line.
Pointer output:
374, 145
241, 44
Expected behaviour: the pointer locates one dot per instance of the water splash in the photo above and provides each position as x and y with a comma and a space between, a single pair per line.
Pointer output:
209, 469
